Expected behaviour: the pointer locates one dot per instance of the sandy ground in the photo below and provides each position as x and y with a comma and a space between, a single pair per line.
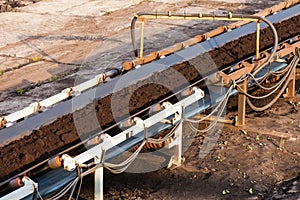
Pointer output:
49, 45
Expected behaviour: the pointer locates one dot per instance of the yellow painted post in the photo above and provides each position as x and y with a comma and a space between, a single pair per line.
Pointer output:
257, 39
142, 39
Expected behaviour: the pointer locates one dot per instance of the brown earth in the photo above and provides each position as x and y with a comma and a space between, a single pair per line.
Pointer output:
52, 138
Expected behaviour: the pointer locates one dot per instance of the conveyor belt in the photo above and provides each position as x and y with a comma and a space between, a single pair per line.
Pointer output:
133, 77
24, 128
51, 182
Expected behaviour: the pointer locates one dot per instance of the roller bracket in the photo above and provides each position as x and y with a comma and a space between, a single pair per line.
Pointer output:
70, 92
36, 107
3, 122
101, 78
139, 122
69, 163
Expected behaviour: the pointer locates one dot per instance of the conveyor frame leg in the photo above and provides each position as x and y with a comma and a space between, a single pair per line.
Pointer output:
241, 121
291, 88
177, 159
98, 176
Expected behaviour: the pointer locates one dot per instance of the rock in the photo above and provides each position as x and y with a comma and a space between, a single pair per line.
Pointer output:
8, 8
3, 8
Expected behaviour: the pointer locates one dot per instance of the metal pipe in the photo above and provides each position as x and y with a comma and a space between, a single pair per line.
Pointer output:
274, 47
257, 39
132, 28
200, 16
142, 39
195, 16
185, 16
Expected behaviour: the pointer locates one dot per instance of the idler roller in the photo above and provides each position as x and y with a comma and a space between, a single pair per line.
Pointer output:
94, 141
16, 183
155, 108
55, 162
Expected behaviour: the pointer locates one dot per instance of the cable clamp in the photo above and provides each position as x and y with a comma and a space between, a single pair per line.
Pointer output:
69, 91
234, 84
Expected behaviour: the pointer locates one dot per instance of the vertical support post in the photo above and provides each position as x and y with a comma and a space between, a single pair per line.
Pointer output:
98, 192
242, 105
178, 148
291, 86
142, 39
257, 39
177, 160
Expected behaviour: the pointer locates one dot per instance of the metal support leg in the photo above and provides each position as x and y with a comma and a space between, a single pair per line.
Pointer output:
178, 148
291, 86
98, 195
242, 105
176, 159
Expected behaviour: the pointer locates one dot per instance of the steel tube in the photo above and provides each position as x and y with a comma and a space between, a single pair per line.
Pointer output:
257, 39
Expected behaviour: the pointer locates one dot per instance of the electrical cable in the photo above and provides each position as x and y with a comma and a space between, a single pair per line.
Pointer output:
258, 82
259, 109
221, 105
166, 137
226, 96
61, 193
79, 188
79, 175
291, 67
121, 167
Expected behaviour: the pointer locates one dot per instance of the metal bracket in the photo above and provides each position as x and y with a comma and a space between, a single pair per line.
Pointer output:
69, 163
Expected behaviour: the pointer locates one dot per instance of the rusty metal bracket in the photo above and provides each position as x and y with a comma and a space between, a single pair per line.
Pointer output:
244, 67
